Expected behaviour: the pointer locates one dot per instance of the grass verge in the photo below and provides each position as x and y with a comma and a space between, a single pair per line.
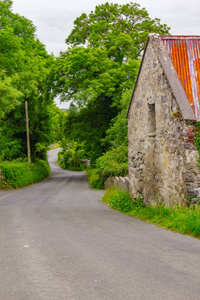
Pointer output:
54, 146
94, 179
20, 174
185, 220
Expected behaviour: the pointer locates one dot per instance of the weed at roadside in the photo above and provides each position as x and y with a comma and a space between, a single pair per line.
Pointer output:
185, 220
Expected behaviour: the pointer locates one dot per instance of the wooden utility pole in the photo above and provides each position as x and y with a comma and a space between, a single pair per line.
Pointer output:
27, 133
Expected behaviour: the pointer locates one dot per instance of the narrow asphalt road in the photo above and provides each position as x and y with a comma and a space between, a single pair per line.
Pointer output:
58, 241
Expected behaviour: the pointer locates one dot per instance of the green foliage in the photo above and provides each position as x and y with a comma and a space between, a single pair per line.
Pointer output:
41, 151
117, 133
118, 199
98, 71
120, 29
86, 74
115, 158
18, 174
197, 136
94, 179
185, 220
57, 125
113, 163
71, 158
10, 149
88, 126
24, 76
9, 95
113, 170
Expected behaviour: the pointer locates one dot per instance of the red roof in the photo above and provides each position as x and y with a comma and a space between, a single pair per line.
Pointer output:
184, 52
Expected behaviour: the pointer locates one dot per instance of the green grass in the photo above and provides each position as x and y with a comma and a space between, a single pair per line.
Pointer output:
185, 220
94, 179
19, 174
54, 146
97, 177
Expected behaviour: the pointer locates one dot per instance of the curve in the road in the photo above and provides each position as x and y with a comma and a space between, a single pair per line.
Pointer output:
60, 242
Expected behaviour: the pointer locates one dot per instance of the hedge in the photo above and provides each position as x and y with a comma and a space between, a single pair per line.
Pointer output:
20, 174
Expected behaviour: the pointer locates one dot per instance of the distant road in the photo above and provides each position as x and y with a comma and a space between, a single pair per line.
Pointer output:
58, 241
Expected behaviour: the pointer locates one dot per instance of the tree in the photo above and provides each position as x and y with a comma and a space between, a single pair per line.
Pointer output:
100, 65
9, 95
104, 52
24, 67
121, 29
85, 74
89, 124
117, 133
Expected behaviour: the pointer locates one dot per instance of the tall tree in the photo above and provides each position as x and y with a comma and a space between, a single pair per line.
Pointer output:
24, 66
104, 48
102, 62
121, 29
85, 74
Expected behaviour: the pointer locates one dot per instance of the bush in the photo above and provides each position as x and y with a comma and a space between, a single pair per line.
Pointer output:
18, 174
11, 149
41, 151
114, 157
72, 157
94, 179
113, 163
114, 170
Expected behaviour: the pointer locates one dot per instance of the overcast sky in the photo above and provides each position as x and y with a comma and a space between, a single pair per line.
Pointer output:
54, 19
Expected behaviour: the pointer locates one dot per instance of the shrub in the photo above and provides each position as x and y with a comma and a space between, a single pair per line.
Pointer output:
41, 151
72, 157
113, 163
18, 174
94, 179
11, 149
114, 157
113, 170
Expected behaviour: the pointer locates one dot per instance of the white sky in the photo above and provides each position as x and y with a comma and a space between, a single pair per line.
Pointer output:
54, 19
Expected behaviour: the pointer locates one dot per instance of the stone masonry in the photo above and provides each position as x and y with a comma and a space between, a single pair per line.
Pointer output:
162, 155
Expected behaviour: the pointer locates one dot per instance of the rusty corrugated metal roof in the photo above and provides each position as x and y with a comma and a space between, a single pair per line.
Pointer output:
184, 52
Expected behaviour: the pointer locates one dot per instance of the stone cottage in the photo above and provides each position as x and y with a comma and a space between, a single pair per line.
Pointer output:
164, 106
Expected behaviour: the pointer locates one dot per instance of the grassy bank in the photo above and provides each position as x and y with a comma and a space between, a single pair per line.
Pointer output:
19, 174
113, 163
185, 220
94, 179
67, 160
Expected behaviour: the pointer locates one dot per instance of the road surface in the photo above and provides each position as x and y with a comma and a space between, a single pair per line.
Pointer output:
59, 241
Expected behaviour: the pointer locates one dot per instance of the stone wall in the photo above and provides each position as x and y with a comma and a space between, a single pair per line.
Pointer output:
121, 182
162, 156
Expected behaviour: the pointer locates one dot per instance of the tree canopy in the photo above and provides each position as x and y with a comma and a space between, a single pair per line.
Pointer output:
120, 29
24, 67
104, 52
84, 74
96, 74
100, 68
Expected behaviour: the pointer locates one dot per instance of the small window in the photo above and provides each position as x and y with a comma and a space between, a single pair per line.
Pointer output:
151, 118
